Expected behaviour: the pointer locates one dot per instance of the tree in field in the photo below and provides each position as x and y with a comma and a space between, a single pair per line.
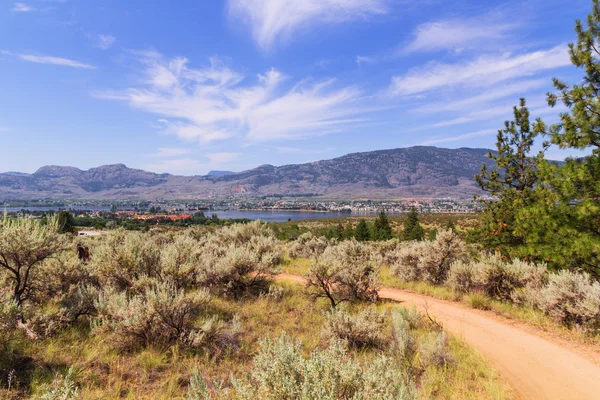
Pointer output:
65, 222
381, 228
412, 229
24, 245
361, 233
511, 182
339, 232
565, 224
348, 231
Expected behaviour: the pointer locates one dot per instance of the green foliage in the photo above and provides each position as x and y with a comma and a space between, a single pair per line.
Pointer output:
365, 329
281, 373
412, 228
512, 182
344, 273
430, 261
572, 299
362, 233
24, 245
65, 223
381, 228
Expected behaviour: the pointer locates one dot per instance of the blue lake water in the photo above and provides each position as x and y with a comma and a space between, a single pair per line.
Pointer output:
282, 216
263, 215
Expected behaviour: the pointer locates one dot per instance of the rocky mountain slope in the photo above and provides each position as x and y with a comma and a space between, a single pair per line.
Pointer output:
407, 172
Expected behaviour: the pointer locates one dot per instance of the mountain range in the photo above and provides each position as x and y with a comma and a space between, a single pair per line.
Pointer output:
413, 172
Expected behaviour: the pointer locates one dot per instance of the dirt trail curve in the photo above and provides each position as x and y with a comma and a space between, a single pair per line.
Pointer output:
535, 367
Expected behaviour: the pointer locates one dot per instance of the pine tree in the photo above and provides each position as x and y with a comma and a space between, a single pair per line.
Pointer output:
510, 182
381, 228
565, 224
339, 232
412, 228
361, 232
348, 231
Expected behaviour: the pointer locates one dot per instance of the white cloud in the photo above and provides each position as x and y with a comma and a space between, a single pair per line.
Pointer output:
278, 20
458, 34
483, 71
216, 103
517, 88
166, 152
54, 61
222, 158
22, 7
458, 138
105, 41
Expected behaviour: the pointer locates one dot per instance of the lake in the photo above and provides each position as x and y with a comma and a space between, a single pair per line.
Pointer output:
282, 216
263, 215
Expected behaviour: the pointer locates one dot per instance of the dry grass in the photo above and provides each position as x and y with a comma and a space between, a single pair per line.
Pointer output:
105, 373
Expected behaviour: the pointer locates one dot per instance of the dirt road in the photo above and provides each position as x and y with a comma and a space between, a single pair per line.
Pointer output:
535, 367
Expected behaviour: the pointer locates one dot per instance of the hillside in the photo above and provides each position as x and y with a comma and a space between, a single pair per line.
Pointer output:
406, 172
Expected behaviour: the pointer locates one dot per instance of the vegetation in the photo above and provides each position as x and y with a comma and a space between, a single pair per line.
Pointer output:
194, 314
547, 211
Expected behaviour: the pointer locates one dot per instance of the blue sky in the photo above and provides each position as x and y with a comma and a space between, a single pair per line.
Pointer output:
188, 86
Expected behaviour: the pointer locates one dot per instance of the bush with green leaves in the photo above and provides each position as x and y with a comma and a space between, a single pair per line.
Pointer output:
25, 245
280, 372
162, 316
61, 388
126, 259
430, 261
515, 280
572, 299
365, 329
308, 245
344, 273
238, 259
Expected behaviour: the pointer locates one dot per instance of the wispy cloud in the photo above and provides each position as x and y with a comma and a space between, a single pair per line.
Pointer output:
216, 103
167, 152
22, 7
104, 42
517, 88
485, 132
54, 61
222, 158
278, 20
483, 71
459, 34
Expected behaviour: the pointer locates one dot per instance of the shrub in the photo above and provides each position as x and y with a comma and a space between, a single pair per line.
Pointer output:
233, 271
24, 246
61, 388
281, 372
430, 261
239, 258
462, 277
179, 261
308, 246
343, 273
572, 299
407, 266
435, 350
439, 255
503, 280
162, 316
366, 329
404, 343
123, 259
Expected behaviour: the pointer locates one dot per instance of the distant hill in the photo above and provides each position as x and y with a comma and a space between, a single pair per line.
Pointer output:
419, 171
220, 173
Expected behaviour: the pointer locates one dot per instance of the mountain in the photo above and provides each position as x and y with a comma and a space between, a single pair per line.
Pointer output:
420, 171
220, 173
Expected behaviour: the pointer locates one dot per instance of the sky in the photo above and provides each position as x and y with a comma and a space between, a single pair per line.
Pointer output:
189, 86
